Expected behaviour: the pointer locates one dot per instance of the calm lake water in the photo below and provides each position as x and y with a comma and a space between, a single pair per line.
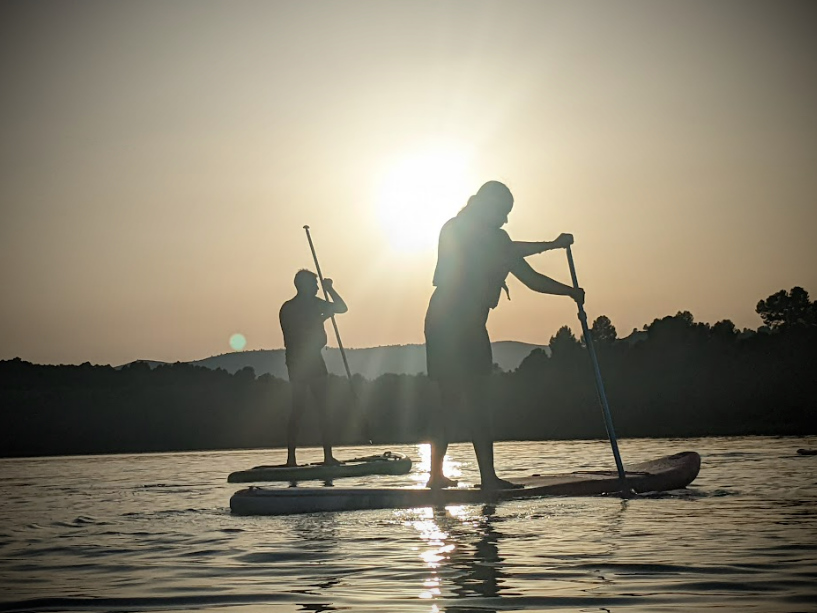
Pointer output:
154, 533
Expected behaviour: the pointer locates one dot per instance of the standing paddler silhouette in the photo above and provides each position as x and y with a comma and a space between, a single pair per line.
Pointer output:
474, 258
302, 322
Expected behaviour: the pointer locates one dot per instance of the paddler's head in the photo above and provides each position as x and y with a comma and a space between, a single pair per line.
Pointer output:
306, 282
491, 204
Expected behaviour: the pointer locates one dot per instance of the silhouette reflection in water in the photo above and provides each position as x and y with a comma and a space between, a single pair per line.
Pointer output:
463, 549
319, 541
472, 563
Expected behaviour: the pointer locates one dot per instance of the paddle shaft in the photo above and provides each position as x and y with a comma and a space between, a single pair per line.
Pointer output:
326, 296
608, 420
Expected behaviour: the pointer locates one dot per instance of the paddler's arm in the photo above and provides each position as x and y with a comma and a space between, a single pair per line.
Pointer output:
337, 305
521, 249
543, 284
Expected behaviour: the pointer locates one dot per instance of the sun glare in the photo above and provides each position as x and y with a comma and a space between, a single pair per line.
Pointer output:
419, 193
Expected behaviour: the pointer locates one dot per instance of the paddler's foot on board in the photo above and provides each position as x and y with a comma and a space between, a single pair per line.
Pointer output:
499, 484
331, 462
291, 463
441, 482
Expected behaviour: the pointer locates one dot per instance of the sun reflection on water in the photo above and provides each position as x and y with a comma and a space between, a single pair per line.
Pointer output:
451, 468
435, 539
431, 524
443, 550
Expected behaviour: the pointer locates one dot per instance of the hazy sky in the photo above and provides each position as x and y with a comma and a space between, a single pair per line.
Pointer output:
158, 161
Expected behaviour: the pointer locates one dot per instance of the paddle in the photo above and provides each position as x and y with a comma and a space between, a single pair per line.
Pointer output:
608, 420
335, 325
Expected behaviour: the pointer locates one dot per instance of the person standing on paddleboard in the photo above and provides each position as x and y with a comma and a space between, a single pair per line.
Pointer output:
474, 258
302, 319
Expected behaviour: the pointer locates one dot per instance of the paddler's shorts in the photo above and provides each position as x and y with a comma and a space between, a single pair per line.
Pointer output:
458, 347
305, 368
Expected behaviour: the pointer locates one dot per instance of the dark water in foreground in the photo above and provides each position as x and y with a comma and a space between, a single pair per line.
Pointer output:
154, 533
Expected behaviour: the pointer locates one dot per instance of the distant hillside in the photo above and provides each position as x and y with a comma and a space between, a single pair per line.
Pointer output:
370, 362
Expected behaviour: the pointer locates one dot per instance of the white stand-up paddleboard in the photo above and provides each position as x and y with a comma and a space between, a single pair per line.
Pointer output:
386, 463
664, 474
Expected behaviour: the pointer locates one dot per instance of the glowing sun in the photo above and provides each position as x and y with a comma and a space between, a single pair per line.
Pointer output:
418, 194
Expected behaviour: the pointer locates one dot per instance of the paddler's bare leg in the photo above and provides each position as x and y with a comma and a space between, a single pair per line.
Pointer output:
439, 438
299, 396
319, 391
482, 434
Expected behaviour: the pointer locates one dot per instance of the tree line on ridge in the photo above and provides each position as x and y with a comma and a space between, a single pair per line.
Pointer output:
685, 378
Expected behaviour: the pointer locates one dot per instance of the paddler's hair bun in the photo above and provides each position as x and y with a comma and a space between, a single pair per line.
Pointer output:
492, 193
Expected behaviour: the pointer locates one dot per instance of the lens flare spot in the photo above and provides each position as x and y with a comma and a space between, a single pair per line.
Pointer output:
238, 342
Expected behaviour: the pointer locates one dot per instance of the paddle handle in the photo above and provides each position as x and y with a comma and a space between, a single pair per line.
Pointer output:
608, 420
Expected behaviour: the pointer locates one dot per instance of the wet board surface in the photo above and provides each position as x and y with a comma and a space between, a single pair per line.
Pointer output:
386, 463
663, 474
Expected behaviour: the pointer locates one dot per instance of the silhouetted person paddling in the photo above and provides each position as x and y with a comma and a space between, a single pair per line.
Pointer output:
302, 319
474, 258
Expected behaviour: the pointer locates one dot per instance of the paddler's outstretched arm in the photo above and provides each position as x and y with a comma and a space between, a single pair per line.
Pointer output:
543, 284
521, 249
338, 305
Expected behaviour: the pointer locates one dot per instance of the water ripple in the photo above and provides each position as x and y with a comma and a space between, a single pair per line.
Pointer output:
126, 535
